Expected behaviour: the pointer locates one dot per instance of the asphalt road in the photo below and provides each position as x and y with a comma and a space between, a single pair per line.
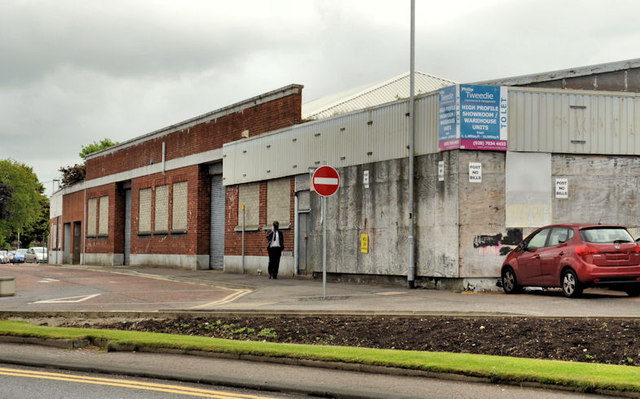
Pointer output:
51, 288
268, 377
30, 382
56, 288
45, 288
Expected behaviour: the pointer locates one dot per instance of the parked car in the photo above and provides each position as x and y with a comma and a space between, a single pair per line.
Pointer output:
4, 256
19, 255
10, 256
37, 255
574, 257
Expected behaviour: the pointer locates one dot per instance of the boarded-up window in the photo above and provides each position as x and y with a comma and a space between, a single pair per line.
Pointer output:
279, 201
103, 222
249, 196
144, 212
180, 206
161, 216
92, 214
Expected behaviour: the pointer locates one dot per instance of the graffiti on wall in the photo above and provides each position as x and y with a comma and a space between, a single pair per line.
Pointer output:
498, 244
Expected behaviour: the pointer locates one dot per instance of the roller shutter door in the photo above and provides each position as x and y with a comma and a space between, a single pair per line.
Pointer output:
216, 256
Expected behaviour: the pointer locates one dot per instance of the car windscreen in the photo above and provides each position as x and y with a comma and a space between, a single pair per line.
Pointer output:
603, 235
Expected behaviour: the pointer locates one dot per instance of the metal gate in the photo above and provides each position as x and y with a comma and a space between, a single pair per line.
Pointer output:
216, 255
77, 243
303, 242
66, 253
127, 226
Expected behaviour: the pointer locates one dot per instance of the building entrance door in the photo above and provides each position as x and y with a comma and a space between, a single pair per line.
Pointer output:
127, 227
77, 242
216, 247
66, 253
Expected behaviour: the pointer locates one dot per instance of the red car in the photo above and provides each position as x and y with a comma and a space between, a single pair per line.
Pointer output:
574, 257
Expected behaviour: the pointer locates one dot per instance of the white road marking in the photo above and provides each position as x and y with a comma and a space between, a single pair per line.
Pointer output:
71, 299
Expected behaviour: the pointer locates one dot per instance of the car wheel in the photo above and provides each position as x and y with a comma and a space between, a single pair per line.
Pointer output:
510, 282
571, 286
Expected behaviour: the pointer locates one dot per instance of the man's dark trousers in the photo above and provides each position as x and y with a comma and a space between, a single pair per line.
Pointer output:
274, 261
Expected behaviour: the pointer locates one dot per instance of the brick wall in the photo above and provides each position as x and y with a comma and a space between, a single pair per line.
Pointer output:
72, 211
255, 241
261, 118
172, 242
104, 243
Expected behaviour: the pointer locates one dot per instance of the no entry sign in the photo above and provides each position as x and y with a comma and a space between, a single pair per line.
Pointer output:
325, 181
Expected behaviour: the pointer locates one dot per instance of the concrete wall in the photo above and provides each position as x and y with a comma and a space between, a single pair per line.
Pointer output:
602, 189
482, 216
382, 212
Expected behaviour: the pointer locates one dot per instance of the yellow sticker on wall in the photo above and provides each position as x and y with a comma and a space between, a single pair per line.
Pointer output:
364, 243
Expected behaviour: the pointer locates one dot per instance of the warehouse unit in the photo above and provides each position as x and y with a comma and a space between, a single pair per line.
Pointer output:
570, 144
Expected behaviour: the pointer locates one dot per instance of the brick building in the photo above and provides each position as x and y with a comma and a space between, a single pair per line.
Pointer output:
159, 199
200, 193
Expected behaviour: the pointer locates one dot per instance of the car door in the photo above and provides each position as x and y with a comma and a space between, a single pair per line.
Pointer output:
529, 260
552, 255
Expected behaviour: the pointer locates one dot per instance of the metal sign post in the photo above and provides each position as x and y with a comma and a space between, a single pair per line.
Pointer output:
325, 182
324, 247
243, 217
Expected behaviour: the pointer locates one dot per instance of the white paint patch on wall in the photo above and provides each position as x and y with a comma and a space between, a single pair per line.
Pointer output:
528, 189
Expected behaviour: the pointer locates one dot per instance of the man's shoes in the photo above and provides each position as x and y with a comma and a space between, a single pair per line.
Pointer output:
270, 277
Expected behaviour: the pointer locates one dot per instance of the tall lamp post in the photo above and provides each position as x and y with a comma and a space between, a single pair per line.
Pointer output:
411, 269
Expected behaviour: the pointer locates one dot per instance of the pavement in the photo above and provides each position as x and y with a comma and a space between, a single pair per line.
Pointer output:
251, 293
156, 290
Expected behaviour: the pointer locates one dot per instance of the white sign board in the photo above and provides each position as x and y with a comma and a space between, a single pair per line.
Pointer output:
475, 172
562, 188
365, 178
440, 170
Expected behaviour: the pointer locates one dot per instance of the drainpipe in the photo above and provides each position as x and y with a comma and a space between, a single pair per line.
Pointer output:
83, 226
411, 270
296, 242
164, 153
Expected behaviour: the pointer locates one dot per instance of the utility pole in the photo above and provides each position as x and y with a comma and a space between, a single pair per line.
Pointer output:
411, 270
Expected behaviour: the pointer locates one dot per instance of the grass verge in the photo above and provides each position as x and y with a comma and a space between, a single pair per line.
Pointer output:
585, 377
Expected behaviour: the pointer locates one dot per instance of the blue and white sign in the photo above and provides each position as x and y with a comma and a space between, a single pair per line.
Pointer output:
449, 129
481, 118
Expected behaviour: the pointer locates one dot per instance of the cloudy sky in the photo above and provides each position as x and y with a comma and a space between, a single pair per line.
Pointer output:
76, 71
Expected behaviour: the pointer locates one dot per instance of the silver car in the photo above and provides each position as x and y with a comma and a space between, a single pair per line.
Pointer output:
37, 255
4, 256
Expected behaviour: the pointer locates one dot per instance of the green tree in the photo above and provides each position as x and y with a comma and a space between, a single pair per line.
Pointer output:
76, 173
27, 199
5, 197
36, 234
95, 147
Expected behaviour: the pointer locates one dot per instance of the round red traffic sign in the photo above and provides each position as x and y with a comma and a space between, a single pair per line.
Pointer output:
325, 181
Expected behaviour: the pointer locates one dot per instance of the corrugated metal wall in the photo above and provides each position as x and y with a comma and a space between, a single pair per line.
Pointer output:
572, 121
372, 135
540, 120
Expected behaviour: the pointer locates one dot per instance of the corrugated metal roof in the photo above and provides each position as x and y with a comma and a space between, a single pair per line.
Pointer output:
563, 73
371, 95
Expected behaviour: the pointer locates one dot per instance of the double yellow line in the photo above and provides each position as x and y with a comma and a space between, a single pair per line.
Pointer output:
203, 393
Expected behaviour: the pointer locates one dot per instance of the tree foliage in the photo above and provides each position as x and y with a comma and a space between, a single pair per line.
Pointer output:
25, 205
96, 146
5, 197
76, 173
72, 174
